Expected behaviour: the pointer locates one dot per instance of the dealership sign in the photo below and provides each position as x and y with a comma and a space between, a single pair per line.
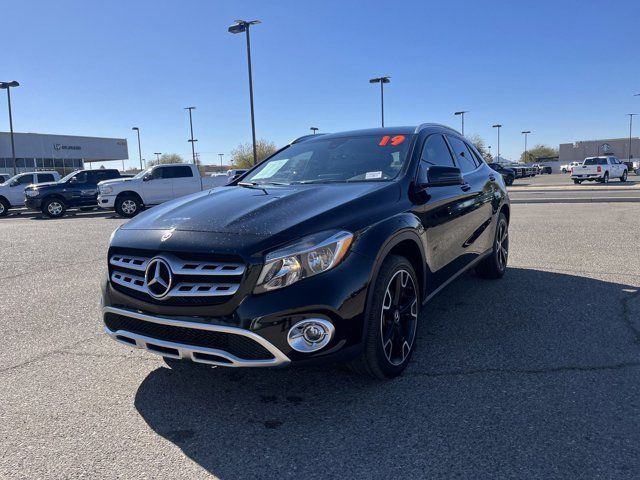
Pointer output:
59, 146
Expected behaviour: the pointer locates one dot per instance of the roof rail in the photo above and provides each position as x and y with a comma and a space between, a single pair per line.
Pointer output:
422, 126
304, 137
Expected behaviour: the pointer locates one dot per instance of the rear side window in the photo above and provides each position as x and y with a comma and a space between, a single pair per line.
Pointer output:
476, 155
436, 152
45, 177
106, 175
463, 156
177, 172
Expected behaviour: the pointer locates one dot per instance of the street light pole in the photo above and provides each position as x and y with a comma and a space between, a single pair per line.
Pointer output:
381, 81
462, 116
631, 115
8, 86
239, 27
498, 126
157, 154
193, 148
139, 148
526, 132
221, 155
489, 148
314, 129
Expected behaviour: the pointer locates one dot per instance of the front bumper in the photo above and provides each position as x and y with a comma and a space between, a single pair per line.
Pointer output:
107, 201
33, 203
198, 354
337, 296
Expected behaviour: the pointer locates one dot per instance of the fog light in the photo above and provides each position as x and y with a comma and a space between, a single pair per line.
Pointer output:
310, 335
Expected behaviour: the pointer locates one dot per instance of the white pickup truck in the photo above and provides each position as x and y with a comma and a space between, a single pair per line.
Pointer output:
12, 191
153, 186
599, 169
566, 168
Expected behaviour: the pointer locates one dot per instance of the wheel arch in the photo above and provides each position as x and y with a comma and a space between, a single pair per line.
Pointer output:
6, 200
129, 193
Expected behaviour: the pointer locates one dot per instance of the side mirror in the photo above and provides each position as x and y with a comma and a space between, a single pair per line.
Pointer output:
147, 177
73, 179
15, 183
235, 177
439, 176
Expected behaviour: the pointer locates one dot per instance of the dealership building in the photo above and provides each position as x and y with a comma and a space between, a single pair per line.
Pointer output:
618, 147
64, 153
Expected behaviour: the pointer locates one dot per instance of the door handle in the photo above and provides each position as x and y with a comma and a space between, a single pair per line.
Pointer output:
465, 187
492, 177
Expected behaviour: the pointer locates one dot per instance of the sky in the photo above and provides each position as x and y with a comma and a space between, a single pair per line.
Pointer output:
565, 70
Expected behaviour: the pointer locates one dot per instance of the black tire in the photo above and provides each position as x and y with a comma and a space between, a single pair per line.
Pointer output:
128, 206
4, 207
495, 264
605, 179
509, 180
577, 182
54, 207
385, 354
623, 178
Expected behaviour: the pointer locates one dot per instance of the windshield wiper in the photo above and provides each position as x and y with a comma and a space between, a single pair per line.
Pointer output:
318, 180
257, 184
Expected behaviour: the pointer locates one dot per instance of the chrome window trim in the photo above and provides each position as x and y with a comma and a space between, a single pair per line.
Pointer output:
188, 351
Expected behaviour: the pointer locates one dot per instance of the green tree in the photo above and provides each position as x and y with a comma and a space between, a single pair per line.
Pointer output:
166, 158
479, 143
242, 155
539, 151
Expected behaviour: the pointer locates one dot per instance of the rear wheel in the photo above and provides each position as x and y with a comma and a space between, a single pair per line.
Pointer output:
605, 179
391, 321
4, 207
509, 180
495, 264
623, 178
128, 206
577, 182
54, 208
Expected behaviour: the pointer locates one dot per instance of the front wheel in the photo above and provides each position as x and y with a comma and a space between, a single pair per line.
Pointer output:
577, 182
54, 208
391, 320
495, 264
128, 206
623, 178
509, 180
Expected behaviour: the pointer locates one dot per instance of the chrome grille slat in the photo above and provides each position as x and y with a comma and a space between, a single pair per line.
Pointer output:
179, 268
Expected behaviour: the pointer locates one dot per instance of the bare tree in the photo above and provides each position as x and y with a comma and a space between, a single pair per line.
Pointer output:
242, 155
166, 158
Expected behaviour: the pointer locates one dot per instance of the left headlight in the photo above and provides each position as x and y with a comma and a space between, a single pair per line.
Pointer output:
302, 259
31, 193
105, 190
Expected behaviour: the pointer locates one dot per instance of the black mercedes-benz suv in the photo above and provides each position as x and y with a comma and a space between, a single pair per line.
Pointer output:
326, 251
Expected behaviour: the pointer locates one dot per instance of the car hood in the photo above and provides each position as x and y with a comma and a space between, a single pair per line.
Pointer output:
117, 181
39, 186
284, 210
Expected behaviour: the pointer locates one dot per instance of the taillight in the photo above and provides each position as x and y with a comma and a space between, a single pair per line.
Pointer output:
599, 168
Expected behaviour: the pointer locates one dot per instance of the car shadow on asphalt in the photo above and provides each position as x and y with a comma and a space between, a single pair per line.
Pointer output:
527, 376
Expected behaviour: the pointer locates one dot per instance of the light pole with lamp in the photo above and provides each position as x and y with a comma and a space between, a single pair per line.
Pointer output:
381, 81
139, 148
8, 86
498, 126
192, 140
525, 133
461, 113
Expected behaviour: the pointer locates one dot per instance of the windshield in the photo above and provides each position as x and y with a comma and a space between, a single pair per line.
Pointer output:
67, 177
362, 158
143, 173
595, 161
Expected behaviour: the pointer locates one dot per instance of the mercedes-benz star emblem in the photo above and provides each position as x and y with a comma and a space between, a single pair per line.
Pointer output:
158, 277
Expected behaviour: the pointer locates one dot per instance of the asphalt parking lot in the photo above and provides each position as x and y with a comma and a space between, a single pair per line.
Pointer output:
533, 376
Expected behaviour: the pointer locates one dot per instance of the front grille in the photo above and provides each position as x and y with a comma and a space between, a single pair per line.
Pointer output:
195, 279
238, 345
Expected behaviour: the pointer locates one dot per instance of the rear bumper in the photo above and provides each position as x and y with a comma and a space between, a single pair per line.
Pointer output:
587, 176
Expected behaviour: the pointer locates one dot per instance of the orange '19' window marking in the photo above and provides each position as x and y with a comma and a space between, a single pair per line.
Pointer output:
384, 140
397, 140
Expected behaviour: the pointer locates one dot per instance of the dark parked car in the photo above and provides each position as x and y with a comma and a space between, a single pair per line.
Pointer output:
327, 251
545, 169
508, 174
79, 189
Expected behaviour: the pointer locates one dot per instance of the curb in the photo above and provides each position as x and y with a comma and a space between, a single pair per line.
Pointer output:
578, 200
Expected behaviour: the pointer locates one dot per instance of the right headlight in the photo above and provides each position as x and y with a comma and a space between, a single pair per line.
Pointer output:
31, 193
302, 259
105, 190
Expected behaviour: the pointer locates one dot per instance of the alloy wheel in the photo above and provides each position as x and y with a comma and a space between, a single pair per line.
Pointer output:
399, 317
54, 208
129, 207
502, 245
1, 208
